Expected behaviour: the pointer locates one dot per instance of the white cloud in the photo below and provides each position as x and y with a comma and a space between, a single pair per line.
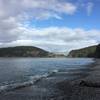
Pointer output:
12, 32
38, 9
50, 38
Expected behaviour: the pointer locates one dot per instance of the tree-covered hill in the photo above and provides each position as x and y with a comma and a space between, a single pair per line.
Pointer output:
92, 51
23, 51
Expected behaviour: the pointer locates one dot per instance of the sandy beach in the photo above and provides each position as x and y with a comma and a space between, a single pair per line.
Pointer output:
86, 87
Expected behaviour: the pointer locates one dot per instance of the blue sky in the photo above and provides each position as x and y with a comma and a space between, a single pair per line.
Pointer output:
79, 19
54, 25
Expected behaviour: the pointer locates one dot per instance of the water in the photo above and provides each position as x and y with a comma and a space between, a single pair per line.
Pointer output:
16, 72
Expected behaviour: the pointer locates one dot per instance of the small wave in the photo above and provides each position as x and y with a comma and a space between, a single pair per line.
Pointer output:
15, 86
32, 81
57, 72
53, 71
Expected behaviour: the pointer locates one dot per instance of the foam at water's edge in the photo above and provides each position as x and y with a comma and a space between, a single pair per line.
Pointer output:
32, 81
10, 87
15, 86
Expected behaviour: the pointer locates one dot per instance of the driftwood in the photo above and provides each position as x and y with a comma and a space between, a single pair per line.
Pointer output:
90, 84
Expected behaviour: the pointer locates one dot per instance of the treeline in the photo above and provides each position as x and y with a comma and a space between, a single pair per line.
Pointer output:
23, 51
92, 51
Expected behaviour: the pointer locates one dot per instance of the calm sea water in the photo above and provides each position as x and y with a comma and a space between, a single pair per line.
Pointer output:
17, 70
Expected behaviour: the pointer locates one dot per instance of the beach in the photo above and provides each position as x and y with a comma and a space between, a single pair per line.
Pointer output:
87, 88
84, 87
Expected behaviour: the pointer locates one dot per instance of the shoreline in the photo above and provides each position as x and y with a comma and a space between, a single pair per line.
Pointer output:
86, 88
51, 89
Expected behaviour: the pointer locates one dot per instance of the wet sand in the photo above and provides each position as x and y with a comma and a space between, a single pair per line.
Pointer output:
87, 88
60, 88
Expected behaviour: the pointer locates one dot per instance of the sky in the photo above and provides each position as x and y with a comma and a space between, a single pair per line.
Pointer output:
53, 25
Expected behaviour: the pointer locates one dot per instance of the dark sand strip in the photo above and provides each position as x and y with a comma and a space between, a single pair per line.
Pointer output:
87, 88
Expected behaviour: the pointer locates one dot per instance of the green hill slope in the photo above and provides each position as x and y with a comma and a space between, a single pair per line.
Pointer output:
23, 51
84, 52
